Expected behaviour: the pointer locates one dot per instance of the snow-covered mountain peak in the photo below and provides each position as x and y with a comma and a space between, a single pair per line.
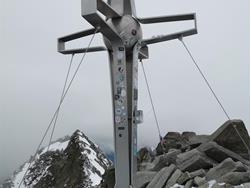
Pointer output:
69, 162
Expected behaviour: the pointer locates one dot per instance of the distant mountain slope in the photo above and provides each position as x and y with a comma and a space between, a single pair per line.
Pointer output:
72, 162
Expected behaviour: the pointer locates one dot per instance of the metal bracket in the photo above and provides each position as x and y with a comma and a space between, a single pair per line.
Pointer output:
90, 11
139, 117
174, 18
143, 53
107, 10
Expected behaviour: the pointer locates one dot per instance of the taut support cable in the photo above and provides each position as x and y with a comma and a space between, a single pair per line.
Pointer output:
58, 108
213, 92
56, 118
151, 100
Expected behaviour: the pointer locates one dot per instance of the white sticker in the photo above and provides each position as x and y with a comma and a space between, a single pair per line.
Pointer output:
123, 93
120, 55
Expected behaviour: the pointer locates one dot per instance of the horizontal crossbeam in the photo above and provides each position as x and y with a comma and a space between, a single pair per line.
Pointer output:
77, 35
67, 38
174, 18
173, 36
84, 50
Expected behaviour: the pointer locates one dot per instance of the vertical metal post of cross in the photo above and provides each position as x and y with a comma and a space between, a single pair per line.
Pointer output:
122, 35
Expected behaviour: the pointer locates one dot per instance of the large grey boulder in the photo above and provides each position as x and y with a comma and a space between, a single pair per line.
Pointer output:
219, 153
197, 140
173, 179
187, 135
228, 165
161, 177
183, 178
199, 181
190, 175
235, 178
189, 184
143, 178
199, 173
234, 136
193, 160
173, 140
164, 160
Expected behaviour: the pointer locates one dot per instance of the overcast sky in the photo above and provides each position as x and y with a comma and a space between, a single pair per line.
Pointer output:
32, 74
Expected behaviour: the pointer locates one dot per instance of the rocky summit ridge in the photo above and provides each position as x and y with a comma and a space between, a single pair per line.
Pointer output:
180, 160
186, 160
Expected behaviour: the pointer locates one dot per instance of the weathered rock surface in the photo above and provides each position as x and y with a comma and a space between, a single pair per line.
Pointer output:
234, 136
183, 178
161, 177
228, 165
164, 160
197, 140
173, 179
189, 184
235, 178
143, 178
193, 160
199, 181
199, 173
219, 153
174, 140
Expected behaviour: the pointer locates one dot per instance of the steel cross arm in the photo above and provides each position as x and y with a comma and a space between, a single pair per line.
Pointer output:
67, 38
174, 18
90, 13
84, 50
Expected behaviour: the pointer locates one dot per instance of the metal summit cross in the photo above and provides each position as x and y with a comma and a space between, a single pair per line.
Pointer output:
122, 34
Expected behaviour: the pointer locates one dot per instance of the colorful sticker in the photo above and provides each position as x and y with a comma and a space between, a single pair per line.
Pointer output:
120, 102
